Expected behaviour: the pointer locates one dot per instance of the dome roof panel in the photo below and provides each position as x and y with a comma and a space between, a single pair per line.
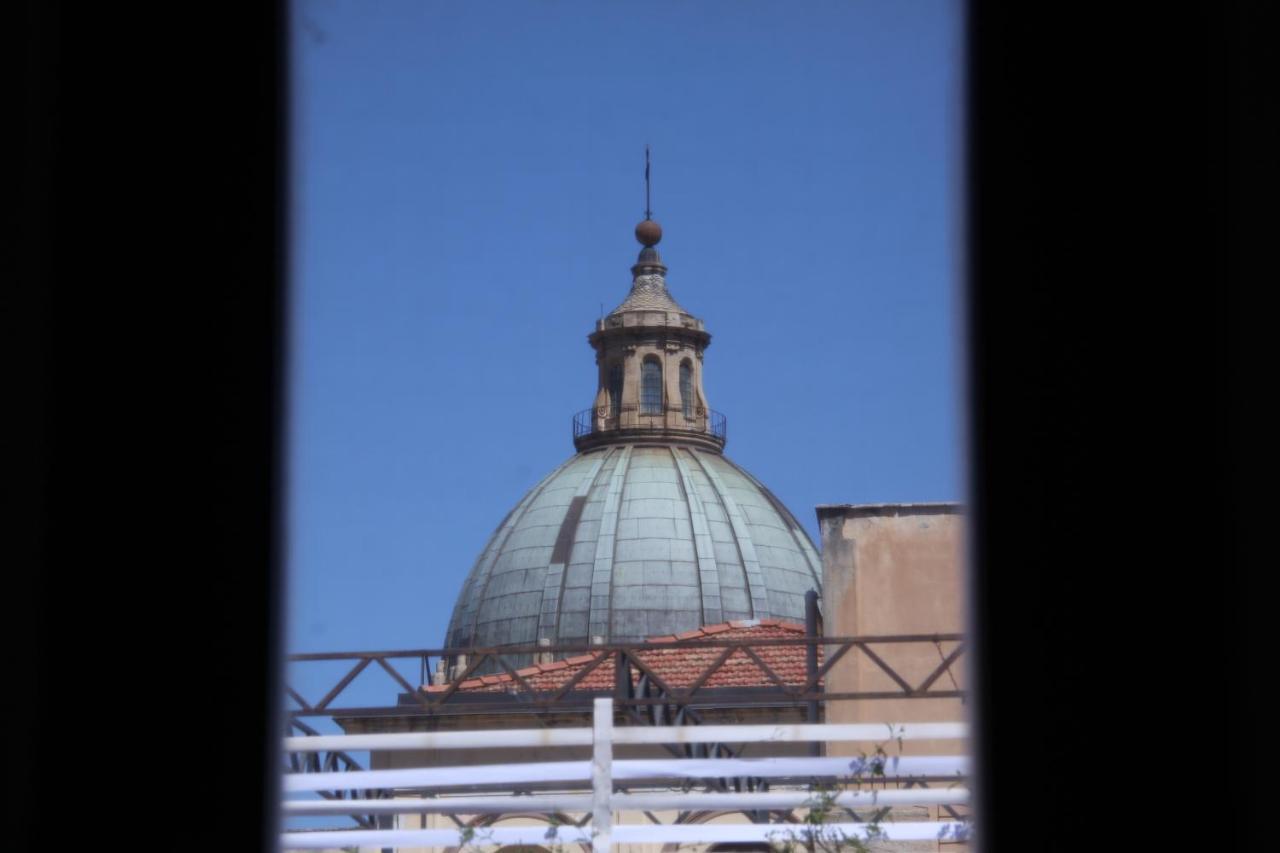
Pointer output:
631, 541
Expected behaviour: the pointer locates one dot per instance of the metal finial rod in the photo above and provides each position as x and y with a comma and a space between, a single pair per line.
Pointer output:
647, 212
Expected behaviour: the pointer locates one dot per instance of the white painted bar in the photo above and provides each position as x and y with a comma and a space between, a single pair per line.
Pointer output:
722, 832
627, 802
789, 799
427, 777
505, 738
528, 738
633, 834
704, 768
792, 733
644, 768
497, 804
602, 775
495, 837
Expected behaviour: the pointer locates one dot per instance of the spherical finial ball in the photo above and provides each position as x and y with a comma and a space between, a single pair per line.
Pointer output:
649, 233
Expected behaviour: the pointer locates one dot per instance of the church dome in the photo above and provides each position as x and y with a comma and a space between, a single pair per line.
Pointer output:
649, 529
629, 541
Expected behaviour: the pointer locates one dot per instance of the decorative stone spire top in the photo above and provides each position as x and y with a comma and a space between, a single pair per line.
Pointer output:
648, 276
649, 351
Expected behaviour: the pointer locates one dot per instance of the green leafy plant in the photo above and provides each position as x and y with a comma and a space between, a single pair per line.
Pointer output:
552, 836
817, 834
474, 838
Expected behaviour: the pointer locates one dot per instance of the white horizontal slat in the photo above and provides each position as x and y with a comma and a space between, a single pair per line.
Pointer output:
788, 799
725, 832
659, 801
497, 804
791, 733
434, 777
634, 834
703, 768
495, 837
683, 768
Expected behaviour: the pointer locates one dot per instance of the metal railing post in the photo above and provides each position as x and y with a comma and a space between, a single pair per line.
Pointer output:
602, 775
811, 660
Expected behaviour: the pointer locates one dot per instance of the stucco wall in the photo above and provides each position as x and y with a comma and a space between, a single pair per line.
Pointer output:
894, 569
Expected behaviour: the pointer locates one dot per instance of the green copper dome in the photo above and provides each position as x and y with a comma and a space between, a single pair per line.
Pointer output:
630, 541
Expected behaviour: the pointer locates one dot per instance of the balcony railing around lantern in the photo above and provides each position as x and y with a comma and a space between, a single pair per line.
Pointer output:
650, 418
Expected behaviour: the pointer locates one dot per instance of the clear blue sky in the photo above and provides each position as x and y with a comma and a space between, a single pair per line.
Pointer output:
466, 180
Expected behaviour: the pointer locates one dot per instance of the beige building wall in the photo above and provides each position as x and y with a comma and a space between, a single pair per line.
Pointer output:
894, 569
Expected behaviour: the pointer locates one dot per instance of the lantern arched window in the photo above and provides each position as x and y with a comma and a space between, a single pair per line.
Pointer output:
650, 387
686, 388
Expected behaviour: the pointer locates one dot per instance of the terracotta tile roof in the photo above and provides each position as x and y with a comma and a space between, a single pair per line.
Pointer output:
678, 666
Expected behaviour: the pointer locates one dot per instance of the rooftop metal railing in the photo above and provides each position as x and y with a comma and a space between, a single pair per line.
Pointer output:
650, 418
632, 662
